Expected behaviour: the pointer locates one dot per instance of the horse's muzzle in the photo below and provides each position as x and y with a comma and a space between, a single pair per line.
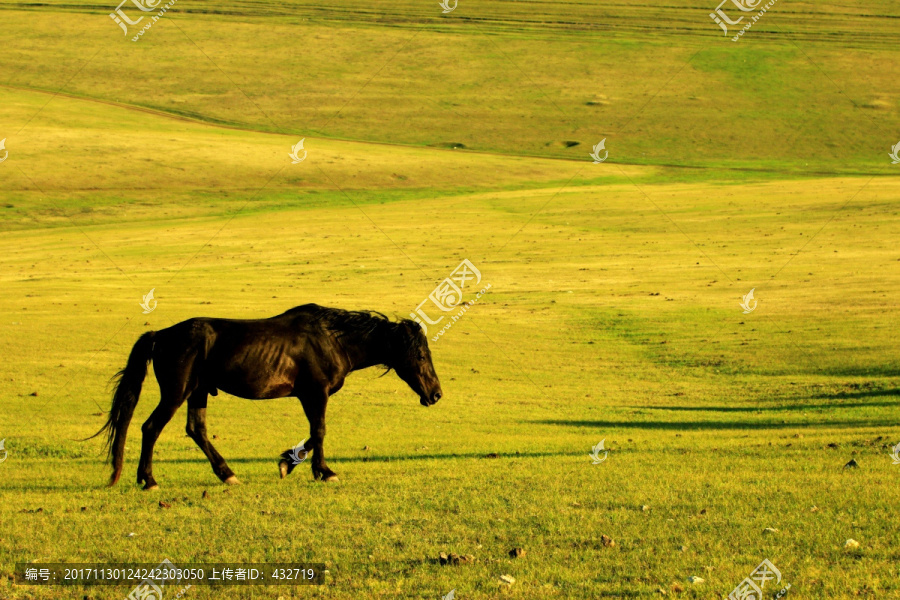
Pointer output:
425, 401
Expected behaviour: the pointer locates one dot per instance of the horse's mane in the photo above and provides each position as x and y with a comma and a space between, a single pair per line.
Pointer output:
362, 324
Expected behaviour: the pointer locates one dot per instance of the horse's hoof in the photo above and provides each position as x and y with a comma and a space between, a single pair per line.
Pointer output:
331, 477
149, 487
283, 468
232, 481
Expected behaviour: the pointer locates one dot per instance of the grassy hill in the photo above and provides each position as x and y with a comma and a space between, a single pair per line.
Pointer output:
813, 89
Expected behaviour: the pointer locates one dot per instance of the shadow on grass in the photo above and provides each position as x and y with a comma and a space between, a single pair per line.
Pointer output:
788, 408
866, 394
713, 425
362, 459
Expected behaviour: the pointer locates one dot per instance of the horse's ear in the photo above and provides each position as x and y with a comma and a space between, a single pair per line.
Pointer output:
399, 335
413, 328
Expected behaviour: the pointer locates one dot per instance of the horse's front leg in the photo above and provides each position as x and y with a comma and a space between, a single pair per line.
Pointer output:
314, 407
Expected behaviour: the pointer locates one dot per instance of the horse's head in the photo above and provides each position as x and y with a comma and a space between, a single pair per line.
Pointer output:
411, 359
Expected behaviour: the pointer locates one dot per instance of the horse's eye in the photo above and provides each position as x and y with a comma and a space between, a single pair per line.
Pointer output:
421, 357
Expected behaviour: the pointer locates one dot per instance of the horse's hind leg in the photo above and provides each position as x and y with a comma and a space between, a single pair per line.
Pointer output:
161, 415
196, 428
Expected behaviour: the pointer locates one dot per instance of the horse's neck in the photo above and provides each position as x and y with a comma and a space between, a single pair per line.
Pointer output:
365, 352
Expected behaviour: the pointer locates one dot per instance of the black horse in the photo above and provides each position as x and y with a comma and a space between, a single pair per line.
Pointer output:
306, 352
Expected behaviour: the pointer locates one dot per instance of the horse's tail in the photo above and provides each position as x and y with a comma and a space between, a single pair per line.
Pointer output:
128, 390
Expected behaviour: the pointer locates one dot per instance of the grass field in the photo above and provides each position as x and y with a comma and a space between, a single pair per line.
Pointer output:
613, 312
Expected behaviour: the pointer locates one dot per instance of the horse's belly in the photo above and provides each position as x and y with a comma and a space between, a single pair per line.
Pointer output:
259, 389
258, 376
276, 391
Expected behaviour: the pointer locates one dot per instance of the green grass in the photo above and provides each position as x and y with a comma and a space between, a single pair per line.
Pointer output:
613, 313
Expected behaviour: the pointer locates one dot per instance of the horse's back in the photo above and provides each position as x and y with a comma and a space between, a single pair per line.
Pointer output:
207, 337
